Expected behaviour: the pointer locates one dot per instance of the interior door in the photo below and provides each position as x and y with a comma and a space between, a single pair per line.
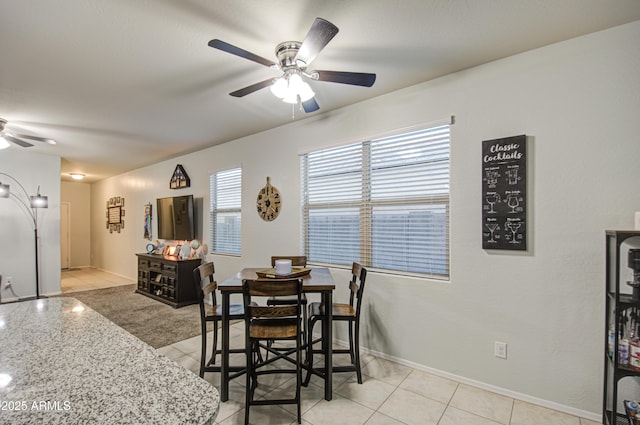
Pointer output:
64, 235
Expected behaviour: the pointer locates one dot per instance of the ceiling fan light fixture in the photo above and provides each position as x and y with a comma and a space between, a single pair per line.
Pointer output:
290, 87
279, 88
306, 92
295, 82
3, 142
291, 97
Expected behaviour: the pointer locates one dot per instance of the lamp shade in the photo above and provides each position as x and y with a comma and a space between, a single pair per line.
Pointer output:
305, 92
39, 201
279, 88
291, 97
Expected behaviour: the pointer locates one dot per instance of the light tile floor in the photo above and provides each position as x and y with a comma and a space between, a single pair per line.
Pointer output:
391, 394
85, 279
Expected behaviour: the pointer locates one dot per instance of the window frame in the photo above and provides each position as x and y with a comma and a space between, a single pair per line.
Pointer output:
214, 212
367, 205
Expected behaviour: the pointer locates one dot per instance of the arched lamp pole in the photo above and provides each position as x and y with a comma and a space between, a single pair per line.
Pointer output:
35, 202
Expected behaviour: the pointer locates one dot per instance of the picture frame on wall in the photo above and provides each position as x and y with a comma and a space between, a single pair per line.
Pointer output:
179, 179
115, 214
148, 231
504, 193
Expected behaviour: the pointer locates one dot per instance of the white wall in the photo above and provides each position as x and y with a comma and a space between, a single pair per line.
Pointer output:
17, 246
78, 195
578, 102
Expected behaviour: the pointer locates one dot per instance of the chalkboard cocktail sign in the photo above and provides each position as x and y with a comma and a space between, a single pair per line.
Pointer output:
504, 193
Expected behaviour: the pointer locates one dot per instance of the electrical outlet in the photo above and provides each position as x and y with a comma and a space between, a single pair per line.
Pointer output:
500, 350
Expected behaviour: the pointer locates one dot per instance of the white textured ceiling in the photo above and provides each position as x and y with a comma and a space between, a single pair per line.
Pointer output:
121, 84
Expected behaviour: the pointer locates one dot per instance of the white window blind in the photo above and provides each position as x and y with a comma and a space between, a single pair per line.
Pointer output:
225, 189
383, 203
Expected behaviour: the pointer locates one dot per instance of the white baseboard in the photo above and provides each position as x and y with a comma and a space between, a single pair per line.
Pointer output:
595, 417
133, 280
9, 299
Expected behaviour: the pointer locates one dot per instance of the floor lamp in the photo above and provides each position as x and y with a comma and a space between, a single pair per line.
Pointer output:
35, 202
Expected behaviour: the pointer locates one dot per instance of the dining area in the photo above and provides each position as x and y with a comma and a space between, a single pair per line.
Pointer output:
276, 319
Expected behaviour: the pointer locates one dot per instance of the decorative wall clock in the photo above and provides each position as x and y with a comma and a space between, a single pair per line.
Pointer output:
180, 178
268, 202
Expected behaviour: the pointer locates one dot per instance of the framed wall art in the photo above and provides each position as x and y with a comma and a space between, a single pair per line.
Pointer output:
148, 230
180, 178
115, 214
504, 193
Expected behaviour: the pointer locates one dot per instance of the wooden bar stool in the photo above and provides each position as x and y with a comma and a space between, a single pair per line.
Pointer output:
296, 261
271, 323
349, 313
212, 314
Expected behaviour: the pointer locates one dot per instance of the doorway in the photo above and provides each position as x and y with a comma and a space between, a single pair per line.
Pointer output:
65, 238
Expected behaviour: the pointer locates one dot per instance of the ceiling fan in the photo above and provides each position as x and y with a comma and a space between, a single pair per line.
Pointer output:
293, 60
6, 137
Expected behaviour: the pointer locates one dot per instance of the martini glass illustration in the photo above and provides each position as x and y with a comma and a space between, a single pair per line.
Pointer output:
492, 198
513, 201
492, 228
514, 226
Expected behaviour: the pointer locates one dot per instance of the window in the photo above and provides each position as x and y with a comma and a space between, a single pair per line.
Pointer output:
225, 189
383, 203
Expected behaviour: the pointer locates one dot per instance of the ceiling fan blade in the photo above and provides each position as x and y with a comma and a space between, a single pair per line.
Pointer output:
353, 78
310, 105
17, 141
319, 35
234, 50
36, 138
250, 89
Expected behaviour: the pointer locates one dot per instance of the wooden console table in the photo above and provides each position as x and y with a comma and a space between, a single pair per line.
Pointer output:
167, 279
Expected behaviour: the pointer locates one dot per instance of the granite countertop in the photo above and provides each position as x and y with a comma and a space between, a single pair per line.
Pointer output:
62, 362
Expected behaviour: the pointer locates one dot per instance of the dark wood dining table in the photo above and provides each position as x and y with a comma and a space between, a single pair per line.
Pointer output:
318, 281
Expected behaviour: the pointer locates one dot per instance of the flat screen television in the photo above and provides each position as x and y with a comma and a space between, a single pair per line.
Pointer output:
176, 220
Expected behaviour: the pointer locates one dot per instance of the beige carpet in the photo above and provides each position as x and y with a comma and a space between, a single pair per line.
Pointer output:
155, 323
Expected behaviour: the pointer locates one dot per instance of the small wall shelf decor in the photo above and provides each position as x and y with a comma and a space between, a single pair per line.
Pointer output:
115, 214
180, 178
504, 193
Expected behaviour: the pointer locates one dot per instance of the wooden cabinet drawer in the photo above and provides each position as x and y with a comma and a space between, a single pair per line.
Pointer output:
155, 266
169, 268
